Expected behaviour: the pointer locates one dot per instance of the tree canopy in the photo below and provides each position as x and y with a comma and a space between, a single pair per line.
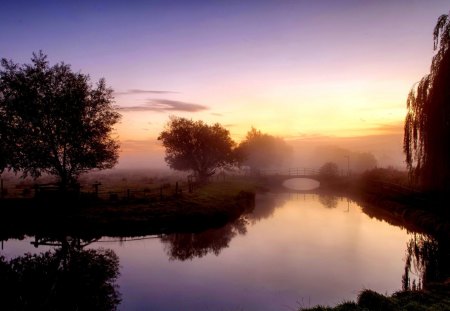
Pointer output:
260, 150
54, 121
427, 122
353, 162
329, 170
196, 146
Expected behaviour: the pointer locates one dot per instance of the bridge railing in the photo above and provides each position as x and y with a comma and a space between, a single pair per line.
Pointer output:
296, 171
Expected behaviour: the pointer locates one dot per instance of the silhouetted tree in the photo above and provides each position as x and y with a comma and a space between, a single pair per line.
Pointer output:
427, 123
3, 145
55, 121
363, 161
196, 146
260, 150
329, 170
354, 161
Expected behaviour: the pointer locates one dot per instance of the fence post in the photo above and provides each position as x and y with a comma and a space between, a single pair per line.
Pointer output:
128, 194
96, 185
161, 192
176, 188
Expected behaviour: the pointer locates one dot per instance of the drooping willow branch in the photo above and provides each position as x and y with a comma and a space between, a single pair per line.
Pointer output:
427, 122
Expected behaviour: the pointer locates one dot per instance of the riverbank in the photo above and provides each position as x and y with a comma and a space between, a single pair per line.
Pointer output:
211, 205
420, 212
401, 206
435, 298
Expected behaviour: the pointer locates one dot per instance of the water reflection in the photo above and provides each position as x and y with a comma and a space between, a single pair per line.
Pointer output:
293, 246
266, 204
428, 259
187, 246
301, 184
328, 200
67, 278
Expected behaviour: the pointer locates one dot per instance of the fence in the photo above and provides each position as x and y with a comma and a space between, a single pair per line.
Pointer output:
109, 191
155, 193
98, 191
289, 172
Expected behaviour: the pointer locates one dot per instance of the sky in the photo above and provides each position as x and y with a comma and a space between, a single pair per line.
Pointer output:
303, 70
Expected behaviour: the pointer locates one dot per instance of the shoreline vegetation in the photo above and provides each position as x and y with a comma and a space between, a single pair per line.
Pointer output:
209, 206
212, 205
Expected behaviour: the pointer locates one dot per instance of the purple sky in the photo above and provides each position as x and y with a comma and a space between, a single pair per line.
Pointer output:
291, 68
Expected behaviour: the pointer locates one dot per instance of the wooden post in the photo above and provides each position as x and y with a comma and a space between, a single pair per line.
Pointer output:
176, 188
161, 192
1, 194
128, 194
96, 185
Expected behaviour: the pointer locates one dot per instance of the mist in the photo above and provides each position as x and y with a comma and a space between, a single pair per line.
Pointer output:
308, 152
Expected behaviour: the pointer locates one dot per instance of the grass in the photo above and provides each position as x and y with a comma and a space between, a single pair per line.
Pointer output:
211, 205
435, 298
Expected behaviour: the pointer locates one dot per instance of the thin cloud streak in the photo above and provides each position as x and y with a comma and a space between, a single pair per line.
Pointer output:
138, 91
166, 105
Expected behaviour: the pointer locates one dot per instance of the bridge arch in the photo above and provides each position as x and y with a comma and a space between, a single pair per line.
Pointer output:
284, 174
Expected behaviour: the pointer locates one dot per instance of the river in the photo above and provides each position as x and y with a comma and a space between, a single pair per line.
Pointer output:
294, 250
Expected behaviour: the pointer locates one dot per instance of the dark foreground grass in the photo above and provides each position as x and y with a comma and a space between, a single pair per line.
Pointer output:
435, 298
211, 205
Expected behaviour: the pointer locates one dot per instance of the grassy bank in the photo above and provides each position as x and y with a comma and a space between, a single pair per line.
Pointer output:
402, 206
211, 205
435, 298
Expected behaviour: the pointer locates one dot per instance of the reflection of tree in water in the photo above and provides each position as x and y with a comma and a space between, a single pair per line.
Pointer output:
187, 246
428, 258
68, 278
328, 200
266, 204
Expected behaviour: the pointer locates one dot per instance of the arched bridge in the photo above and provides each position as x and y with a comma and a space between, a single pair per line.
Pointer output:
291, 173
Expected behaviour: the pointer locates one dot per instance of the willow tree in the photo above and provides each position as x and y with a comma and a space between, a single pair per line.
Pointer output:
427, 123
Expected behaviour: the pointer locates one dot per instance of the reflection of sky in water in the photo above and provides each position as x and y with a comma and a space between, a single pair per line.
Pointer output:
304, 184
295, 252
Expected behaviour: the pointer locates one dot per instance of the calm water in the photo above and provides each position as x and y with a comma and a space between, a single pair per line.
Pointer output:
294, 250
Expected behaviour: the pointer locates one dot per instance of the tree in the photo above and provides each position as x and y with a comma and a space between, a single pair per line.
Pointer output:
427, 122
329, 170
55, 121
3, 145
363, 161
260, 150
196, 146
353, 161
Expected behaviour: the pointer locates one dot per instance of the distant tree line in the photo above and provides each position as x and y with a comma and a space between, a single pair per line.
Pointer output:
260, 150
201, 148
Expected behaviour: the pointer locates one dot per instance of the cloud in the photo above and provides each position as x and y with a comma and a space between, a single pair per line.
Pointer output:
216, 114
164, 105
138, 91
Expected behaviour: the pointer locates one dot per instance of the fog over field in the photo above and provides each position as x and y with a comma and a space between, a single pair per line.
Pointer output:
309, 152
